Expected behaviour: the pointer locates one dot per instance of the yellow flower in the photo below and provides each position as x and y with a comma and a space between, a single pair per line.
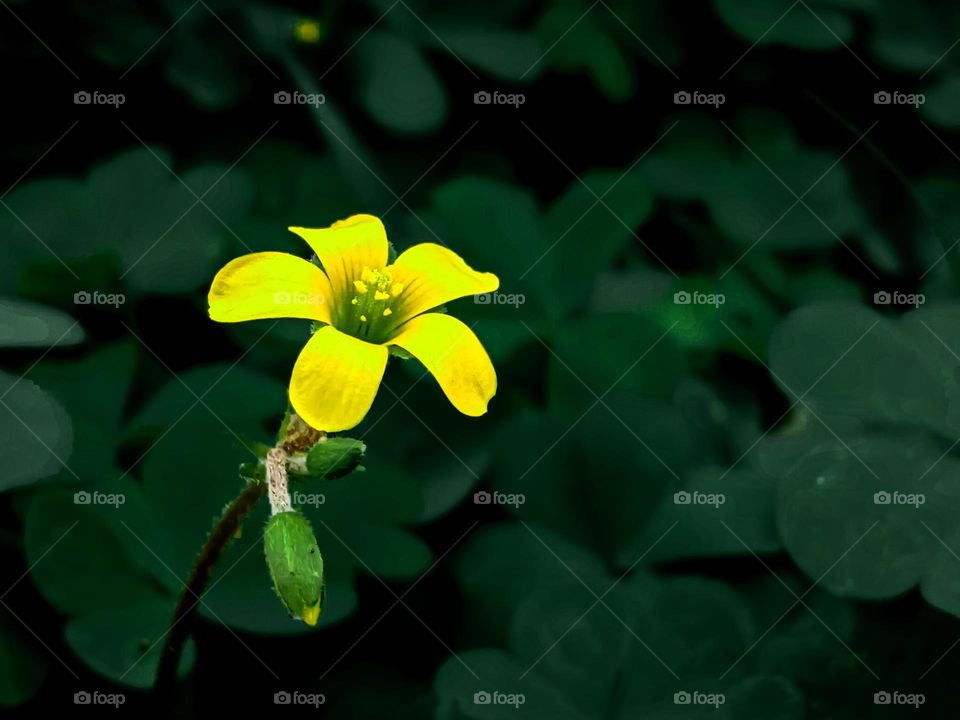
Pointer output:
366, 307
307, 31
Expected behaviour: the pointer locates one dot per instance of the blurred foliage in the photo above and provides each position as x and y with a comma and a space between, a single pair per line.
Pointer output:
754, 301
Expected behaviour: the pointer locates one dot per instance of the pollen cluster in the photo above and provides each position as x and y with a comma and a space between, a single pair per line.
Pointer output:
375, 293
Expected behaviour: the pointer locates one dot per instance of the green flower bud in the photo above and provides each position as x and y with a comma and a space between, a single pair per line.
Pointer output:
295, 564
330, 458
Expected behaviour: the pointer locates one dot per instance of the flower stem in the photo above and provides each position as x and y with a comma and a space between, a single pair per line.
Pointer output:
227, 528
294, 436
278, 491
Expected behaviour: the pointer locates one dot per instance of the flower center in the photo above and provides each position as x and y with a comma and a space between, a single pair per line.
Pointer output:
367, 315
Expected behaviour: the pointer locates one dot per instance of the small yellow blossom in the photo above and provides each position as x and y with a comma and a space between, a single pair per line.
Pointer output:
307, 31
337, 375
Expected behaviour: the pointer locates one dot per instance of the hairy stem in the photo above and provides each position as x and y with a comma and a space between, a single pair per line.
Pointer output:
294, 436
186, 610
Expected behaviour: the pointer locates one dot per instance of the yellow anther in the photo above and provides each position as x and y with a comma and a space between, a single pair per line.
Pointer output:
379, 284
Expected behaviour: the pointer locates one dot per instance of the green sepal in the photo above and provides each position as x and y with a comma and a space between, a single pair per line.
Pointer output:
295, 565
282, 432
334, 457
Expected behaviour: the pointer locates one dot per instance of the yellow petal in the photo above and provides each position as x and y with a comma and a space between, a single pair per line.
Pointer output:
269, 285
431, 275
346, 247
311, 614
335, 379
454, 356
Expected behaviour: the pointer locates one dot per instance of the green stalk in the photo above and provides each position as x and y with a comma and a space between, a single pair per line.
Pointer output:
186, 610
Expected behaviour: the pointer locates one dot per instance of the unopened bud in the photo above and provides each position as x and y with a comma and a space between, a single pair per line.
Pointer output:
295, 564
330, 458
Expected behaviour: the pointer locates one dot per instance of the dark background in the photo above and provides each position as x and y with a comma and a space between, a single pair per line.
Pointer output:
595, 202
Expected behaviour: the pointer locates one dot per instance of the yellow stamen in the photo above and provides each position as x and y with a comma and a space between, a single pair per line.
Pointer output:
375, 294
